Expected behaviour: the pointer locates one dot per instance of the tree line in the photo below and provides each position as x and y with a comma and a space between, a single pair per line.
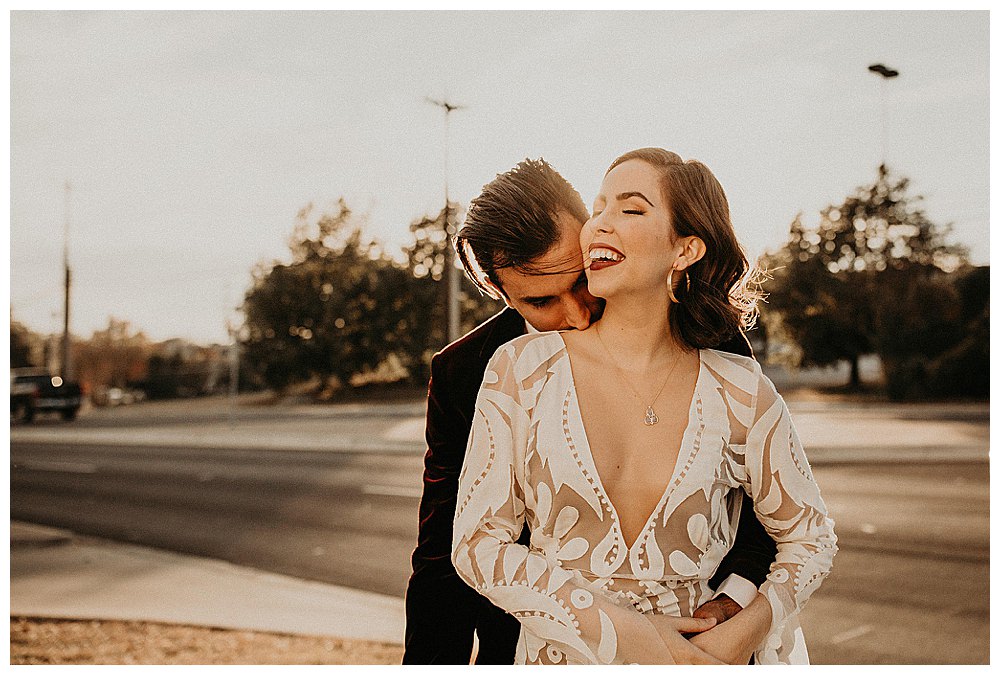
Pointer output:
120, 357
872, 275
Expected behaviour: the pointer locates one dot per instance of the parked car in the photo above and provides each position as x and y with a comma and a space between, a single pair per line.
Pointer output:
115, 396
35, 390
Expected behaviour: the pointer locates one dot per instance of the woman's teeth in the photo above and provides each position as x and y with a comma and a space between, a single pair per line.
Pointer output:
606, 254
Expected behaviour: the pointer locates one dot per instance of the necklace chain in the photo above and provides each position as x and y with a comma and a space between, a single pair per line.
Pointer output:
650, 418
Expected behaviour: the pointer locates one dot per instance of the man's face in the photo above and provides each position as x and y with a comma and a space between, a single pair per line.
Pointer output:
554, 295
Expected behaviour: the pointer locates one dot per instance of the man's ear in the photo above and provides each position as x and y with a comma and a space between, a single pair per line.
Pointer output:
693, 249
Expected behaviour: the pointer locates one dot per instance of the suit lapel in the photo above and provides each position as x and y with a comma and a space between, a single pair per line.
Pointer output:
508, 325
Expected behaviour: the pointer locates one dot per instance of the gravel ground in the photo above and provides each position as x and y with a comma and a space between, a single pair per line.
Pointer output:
67, 641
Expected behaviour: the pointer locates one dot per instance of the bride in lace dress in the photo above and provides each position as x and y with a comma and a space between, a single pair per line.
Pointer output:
628, 447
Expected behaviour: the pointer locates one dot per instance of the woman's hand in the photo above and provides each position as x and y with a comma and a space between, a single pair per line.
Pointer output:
683, 651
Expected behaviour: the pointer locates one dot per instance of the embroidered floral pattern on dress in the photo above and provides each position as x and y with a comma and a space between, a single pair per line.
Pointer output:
581, 594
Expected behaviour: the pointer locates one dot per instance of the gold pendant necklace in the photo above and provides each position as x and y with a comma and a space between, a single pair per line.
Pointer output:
650, 418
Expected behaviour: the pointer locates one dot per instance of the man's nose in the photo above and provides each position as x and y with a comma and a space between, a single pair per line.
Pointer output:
577, 313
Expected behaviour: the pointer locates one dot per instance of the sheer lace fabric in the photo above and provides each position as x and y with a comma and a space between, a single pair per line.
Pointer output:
581, 593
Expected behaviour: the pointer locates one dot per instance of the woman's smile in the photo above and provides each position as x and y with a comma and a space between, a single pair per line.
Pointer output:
601, 256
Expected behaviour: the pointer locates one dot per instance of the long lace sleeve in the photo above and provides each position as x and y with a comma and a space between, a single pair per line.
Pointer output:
788, 503
556, 606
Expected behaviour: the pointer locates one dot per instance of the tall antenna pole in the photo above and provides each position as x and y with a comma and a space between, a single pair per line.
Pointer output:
449, 256
881, 119
65, 339
885, 73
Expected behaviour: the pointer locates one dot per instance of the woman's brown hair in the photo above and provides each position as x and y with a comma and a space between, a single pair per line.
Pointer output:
720, 298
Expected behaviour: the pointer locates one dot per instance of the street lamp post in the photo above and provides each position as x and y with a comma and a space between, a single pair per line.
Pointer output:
449, 254
884, 73
65, 370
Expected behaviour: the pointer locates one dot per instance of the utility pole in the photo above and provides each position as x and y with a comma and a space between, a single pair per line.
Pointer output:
234, 369
885, 74
453, 278
66, 372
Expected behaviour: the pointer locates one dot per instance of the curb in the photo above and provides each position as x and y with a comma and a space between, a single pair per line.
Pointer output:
56, 574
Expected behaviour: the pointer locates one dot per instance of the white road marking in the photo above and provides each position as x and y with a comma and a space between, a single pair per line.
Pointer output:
392, 491
60, 467
851, 634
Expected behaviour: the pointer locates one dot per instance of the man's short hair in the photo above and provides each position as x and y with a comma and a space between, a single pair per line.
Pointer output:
513, 222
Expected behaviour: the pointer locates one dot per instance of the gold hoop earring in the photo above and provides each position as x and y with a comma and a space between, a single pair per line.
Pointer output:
670, 285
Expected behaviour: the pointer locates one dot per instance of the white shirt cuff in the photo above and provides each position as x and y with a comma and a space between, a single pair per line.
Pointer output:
741, 590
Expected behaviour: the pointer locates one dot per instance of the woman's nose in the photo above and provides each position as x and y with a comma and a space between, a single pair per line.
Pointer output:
602, 224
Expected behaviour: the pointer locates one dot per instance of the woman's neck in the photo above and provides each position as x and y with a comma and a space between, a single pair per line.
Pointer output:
637, 331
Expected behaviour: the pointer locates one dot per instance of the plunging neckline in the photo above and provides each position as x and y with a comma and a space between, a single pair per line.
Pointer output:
671, 482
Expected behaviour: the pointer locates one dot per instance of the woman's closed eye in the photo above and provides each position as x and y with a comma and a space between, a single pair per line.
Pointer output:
634, 212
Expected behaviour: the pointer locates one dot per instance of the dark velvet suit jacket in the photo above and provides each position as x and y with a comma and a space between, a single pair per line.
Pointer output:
442, 612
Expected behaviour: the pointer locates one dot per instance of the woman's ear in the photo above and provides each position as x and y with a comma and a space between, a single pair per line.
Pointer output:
693, 249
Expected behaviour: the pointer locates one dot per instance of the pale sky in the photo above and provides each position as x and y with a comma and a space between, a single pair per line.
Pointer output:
192, 139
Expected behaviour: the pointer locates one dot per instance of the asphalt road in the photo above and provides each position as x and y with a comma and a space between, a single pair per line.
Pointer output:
910, 584
347, 519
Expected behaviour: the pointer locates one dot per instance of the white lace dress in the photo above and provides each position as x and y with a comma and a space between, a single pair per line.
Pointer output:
581, 593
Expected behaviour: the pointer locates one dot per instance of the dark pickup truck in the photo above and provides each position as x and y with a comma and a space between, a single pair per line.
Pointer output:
34, 391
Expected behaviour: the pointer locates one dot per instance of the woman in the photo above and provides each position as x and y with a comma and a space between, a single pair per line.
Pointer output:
627, 447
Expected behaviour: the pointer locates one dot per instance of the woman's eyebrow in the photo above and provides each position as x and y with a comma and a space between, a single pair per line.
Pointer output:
625, 195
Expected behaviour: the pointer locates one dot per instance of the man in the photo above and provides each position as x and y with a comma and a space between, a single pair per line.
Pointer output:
520, 242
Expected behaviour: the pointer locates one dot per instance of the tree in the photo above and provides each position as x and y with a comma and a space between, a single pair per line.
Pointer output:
23, 345
342, 308
113, 357
337, 309
934, 335
963, 369
428, 323
178, 368
835, 284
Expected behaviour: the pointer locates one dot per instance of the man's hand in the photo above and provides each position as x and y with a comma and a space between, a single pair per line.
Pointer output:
670, 629
721, 609
735, 640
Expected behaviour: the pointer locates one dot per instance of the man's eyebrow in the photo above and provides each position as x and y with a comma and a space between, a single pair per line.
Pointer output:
625, 195
569, 266
538, 298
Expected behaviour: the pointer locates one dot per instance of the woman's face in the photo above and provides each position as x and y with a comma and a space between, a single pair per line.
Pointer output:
628, 243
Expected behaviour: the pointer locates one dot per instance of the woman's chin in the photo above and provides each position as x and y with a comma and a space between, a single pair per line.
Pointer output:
629, 294
603, 291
